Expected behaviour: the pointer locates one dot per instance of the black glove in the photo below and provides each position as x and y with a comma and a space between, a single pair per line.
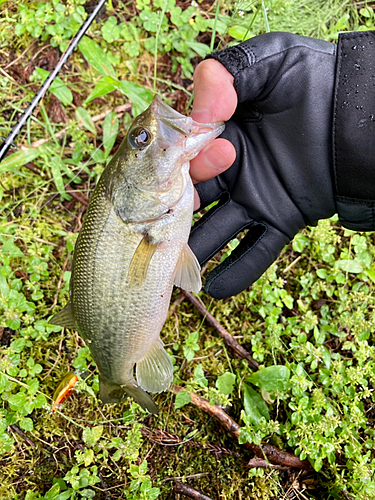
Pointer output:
282, 178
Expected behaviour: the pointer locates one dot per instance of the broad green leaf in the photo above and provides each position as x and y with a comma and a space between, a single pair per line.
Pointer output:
56, 168
57, 88
182, 399
4, 288
98, 156
366, 12
88, 456
84, 117
26, 424
139, 96
66, 495
371, 274
200, 48
18, 345
271, 379
104, 87
18, 400
18, 159
96, 57
349, 266
110, 130
225, 383
110, 30
53, 493
87, 493
254, 405
91, 436
322, 273
199, 376
239, 32
318, 464
11, 249
319, 335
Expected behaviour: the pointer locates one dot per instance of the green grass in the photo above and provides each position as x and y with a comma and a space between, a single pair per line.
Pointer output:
312, 313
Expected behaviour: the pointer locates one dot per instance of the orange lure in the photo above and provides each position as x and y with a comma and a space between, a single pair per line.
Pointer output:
64, 390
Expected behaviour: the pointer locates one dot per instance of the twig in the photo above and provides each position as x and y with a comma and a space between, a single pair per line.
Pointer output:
19, 57
193, 476
263, 464
273, 454
228, 338
105, 486
292, 264
18, 431
189, 492
345, 493
77, 195
164, 438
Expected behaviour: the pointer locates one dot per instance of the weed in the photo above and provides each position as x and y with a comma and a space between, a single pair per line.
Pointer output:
309, 320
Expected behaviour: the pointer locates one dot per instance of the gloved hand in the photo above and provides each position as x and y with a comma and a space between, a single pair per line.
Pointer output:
281, 179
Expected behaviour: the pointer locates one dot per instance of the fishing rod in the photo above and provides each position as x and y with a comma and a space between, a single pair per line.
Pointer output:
34, 103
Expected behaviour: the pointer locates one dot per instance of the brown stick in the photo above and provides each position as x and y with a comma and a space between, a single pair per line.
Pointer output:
273, 454
18, 431
183, 489
228, 339
263, 464
77, 195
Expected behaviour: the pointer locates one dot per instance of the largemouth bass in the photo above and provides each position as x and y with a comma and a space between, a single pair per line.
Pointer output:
132, 249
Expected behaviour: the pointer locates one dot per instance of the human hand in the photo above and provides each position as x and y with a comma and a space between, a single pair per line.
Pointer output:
280, 180
214, 100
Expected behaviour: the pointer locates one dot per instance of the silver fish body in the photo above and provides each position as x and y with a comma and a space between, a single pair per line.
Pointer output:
132, 249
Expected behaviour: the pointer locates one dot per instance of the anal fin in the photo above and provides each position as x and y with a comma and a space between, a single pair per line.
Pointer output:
187, 274
64, 317
155, 370
140, 262
111, 392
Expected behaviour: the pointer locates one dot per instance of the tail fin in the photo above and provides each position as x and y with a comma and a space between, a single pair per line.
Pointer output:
113, 393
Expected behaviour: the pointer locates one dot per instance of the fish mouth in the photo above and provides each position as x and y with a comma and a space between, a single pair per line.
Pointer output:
177, 129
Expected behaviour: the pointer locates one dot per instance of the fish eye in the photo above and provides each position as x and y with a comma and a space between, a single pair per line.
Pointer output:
140, 138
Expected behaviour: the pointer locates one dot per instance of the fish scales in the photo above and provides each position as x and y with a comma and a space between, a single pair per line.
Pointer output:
132, 249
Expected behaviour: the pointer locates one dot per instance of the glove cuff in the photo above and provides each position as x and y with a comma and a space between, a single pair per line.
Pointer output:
354, 130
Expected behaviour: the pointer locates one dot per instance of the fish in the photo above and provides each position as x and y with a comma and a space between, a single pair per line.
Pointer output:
132, 249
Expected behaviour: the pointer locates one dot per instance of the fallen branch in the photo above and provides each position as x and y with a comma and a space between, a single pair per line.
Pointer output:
260, 463
78, 196
273, 454
183, 489
105, 486
228, 339
18, 431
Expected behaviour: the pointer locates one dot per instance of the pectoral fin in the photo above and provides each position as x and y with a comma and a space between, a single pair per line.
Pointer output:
187, 275
64, 317
140, 262
155, 370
